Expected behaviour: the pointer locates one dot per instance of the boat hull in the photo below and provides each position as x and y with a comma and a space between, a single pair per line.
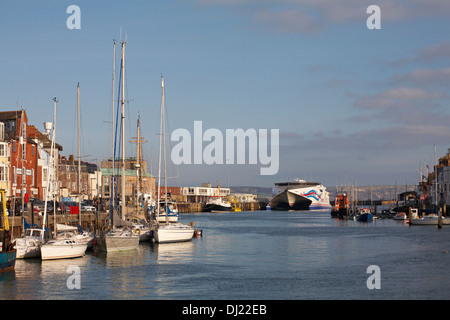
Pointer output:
300, 195
287, 200
113, 243
365, 217
25, 252
64, 251
7, 260
216, 208
429, 221
173, 233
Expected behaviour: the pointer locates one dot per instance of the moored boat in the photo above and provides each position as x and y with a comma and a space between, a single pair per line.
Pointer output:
65, 246
365, 215
7, 250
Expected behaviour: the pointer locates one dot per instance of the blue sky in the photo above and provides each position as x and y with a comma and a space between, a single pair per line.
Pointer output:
349, 102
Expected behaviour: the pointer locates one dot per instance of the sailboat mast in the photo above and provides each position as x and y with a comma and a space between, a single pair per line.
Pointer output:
50, 167
111, 193
79, 163
160, 143
123, 131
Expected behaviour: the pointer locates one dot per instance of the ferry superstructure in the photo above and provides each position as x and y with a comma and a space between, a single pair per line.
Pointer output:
300, 195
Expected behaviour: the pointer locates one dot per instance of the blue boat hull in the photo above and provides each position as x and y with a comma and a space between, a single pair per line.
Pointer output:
365, 217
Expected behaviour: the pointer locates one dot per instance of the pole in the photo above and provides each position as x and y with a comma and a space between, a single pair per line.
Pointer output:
123, 130
79, 162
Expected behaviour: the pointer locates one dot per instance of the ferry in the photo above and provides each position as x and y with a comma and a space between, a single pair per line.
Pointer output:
300, 195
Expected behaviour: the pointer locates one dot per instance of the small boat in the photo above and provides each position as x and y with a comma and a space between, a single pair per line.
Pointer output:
29, 246
173, 232
117, 240
400, 216
7, 250
365, 215
430, 220
216, 204
65, 246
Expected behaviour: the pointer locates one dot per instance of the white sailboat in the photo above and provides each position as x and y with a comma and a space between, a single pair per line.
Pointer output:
64, 245
164, 232
121, 237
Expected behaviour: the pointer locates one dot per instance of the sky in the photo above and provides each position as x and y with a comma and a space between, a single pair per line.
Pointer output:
350, 103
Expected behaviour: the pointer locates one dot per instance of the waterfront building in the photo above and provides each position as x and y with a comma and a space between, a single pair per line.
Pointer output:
137, 179
90, 179
203, 193
28, 153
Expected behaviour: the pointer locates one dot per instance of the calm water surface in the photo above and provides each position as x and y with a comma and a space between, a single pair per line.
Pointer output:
256, 255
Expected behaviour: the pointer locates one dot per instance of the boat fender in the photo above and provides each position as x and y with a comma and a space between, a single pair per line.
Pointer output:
191, 224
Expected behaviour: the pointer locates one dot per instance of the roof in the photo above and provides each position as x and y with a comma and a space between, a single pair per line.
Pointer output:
128, 172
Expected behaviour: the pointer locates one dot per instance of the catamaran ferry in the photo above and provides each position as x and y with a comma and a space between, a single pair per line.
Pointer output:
300, 195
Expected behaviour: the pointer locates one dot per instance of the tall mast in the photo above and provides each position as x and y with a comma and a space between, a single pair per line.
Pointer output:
79, 163
123, 130
50, 168
111, 193
160, 143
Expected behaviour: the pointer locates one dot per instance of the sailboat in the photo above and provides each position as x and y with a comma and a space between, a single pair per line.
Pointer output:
66, 245
81, 235
164, 232
120, 237
29, 245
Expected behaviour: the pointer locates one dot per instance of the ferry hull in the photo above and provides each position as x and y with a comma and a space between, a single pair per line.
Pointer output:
300, 195
290, 201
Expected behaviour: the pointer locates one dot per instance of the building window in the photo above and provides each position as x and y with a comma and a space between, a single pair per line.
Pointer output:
24, 151
2, 131
3, 173
3, 149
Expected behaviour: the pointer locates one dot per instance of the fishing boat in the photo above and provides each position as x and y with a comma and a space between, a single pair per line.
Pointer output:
7, 250
121, 236
29, 246
164, 232
365, 215
217, 204
300, 195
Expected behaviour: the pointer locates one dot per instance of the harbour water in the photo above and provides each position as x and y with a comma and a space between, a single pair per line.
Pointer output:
262, 255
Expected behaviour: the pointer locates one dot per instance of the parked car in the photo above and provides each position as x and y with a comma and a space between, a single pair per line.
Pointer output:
87, 207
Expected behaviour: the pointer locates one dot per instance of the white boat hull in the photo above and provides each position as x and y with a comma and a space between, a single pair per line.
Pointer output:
432, 221
173, 233
27, 251
62, 251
